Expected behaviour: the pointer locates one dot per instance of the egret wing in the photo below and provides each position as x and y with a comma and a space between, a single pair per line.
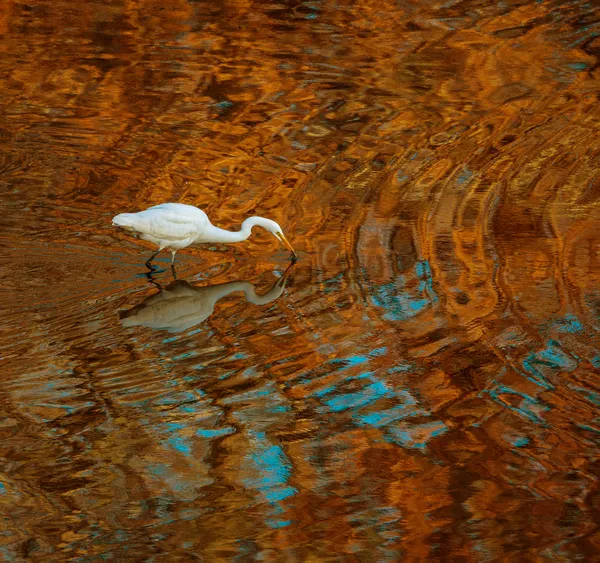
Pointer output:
165, 224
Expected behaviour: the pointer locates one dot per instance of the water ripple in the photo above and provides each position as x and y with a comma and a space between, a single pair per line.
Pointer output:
422, 384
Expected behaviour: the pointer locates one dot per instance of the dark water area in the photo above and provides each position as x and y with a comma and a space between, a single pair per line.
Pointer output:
422, 385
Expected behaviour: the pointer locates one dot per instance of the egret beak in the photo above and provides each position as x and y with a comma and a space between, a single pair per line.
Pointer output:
287, 244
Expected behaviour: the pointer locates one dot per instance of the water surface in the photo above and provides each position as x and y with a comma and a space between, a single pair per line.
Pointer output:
422, 385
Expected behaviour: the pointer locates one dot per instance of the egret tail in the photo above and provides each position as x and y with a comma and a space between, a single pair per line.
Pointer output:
137, 223
130, 221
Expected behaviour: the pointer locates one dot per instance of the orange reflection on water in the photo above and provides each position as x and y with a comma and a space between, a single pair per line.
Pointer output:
424, 387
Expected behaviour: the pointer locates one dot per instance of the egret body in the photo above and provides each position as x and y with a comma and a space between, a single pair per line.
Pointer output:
174, 226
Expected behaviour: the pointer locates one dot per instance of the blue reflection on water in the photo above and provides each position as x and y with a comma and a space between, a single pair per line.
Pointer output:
273, 469
417, 435
266, 465
519, 402
407, 409
214, 432
570, 323
403, 298
465, 176
369, 387
517, 441
587, 393
365, 396
181, 444
539, 366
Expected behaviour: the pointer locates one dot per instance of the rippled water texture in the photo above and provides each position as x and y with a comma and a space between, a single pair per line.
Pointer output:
422, 385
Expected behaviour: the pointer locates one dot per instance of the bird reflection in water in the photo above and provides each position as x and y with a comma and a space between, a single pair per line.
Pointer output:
181, 305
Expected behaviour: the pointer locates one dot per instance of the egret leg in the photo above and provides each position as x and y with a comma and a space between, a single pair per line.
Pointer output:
149, 261
173, 264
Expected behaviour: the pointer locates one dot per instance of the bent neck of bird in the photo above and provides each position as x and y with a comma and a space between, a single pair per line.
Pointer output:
216, 234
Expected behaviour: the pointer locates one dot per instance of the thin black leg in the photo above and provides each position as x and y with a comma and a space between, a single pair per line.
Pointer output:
149, 261
173, 265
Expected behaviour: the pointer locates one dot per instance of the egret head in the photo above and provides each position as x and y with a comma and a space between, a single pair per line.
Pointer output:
277, 231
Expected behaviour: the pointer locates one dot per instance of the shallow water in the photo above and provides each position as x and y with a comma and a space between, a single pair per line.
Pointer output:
422, 385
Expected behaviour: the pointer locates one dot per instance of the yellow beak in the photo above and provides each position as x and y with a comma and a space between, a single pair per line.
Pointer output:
286, 243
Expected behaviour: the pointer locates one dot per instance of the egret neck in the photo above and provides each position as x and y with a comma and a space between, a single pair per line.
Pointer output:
222, 235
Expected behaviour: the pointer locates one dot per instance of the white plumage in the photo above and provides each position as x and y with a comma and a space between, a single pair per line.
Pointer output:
174, 226
168, 225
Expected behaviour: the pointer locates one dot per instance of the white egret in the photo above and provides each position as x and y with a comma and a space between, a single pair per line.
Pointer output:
181, 305
174, 226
